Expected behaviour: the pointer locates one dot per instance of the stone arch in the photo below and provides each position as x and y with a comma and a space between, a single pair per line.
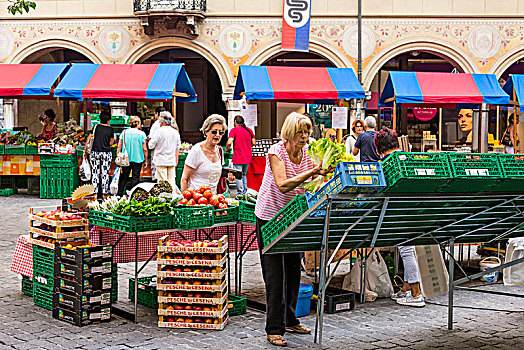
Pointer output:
431, 45
270, 50
148, 49
59, 43
507, 60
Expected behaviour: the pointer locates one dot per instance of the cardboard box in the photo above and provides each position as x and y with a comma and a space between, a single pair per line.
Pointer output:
82, 302
82, 271
85, 255
433, 273
83, 317
89, 286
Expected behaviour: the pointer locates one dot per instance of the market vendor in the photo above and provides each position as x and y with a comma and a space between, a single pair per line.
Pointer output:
287, 167
48, 125
386, 142
204, 161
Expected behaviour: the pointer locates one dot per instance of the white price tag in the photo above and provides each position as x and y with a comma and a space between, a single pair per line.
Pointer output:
420, 172
483, 172
249, 113
340, 117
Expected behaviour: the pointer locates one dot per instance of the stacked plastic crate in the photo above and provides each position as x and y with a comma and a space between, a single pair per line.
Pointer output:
83, 283
58, 175
192, 284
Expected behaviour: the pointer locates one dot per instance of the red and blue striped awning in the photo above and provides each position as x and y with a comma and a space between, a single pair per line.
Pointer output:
297, 83
128, 82
29, 80
516, 81
442, 88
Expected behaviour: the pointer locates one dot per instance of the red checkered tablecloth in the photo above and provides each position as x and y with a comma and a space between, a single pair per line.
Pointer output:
23, 258
147, 243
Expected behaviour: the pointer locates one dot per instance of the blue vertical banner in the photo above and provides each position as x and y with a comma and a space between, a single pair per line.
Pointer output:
295, 25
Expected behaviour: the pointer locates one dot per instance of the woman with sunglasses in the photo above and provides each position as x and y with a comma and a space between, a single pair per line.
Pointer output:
204, 161
357, 128
48, 125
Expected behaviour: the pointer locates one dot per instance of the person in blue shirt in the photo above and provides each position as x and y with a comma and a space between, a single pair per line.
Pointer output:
134, 142
366, 142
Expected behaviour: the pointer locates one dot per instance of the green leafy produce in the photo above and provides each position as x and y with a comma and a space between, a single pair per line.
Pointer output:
329, 154
250, 196
140, 195
149, 207
161, 187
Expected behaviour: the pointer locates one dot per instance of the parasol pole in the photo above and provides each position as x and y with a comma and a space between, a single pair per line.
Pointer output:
440, 128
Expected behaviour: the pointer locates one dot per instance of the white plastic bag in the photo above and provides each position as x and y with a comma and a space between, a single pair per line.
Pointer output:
377, 276
113, 187
85, 171
514, 275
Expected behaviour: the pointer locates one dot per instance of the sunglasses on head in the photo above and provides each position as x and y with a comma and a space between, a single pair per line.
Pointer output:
214, 132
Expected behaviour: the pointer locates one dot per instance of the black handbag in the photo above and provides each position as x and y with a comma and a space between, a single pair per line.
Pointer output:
506, 139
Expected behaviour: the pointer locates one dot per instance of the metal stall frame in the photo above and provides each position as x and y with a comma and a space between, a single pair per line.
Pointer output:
382, 220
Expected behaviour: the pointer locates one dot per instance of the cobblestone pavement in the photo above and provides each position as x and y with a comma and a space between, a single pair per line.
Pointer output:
378, 325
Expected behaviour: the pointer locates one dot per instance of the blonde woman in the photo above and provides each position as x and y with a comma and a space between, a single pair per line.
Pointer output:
134, 142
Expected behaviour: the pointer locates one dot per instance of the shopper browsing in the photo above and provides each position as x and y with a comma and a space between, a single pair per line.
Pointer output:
288, 166
410, 295
242, 139
155, 127
134, 142
357, 128
365, 143
166, 143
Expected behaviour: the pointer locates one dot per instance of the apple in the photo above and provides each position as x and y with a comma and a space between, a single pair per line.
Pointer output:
187, 269
187, 257
170, 319
178, 270
198, 320
179, 320
189, 320
198, 308
190, 295
197, 283
188, 307
198, 295
208, 320
179, 307
179, 295
179, 282
215, 321
187, 283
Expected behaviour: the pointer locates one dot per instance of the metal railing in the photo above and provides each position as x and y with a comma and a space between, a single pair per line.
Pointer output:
169, 5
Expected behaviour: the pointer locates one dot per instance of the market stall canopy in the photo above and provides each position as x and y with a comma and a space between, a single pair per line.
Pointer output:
412, 88
297, 83
128, 82
516, 81
29, 80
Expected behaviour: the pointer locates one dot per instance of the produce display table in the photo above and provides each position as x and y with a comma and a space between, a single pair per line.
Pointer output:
23, 257
255, 173
383, 220
19, 165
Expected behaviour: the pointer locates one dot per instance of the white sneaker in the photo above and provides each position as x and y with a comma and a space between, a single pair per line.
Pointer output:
410, 300
400, 294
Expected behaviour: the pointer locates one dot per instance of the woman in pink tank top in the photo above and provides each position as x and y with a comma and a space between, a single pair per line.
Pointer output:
287, 167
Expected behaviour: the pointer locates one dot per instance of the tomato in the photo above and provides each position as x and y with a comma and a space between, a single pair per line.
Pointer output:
208, 194
191, 202
214, 201
197, 196
221, 198
222, 206
187, 195
183, 201
205, 188
203, 201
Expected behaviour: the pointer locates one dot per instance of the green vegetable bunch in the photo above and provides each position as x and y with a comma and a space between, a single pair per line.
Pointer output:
149, 207
329, 154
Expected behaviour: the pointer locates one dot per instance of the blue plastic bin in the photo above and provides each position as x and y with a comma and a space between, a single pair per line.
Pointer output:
304, 300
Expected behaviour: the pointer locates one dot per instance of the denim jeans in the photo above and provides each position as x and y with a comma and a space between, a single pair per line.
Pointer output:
242, 184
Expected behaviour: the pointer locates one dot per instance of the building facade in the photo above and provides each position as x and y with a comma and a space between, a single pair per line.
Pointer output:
482, 36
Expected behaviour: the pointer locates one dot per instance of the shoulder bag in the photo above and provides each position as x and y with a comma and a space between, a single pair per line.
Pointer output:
222, 183
506, 139
122, 158
89, 143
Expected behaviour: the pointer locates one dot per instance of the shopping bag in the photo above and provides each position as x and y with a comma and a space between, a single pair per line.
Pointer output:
85, 171
113, 187
434, 278
352, 283
514, 275
377, 276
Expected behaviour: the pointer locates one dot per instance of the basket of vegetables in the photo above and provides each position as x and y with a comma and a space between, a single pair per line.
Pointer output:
247, 202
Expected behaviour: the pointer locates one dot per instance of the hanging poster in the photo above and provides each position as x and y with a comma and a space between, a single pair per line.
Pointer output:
321, 114
340, 117
295, 25
249, 113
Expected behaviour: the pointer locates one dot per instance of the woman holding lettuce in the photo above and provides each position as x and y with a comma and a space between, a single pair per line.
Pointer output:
288, 166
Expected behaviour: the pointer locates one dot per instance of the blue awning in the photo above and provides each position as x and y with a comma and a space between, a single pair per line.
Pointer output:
127, 82
29, 80
279, 83
442, 88
516, 81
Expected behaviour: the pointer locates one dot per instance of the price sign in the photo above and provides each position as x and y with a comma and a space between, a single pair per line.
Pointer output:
340, 117
249, 112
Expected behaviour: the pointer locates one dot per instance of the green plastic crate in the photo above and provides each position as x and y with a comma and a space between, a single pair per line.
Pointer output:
43, 295
512, 166
473, 172
14, 149
33, 185
2, 149
226, 215
79, 151
246, 212
43, 260
59, 160
5, 192
283, 219
31, 150
118, 120
412, 172
130, 223
147, 294
58, 182
236, 305
189, 217
7, 181
27, 286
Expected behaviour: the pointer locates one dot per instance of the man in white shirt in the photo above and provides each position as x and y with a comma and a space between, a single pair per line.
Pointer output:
155, 127
166, 143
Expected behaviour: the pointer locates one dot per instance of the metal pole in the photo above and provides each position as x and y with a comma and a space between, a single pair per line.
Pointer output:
359, 54
322, 284
451, 286
136, 277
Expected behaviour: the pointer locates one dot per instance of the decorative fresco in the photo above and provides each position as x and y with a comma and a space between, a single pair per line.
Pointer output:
236, 41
